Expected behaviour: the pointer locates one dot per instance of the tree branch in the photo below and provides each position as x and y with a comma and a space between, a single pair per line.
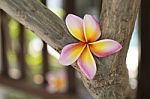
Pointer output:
117, 22
40, 20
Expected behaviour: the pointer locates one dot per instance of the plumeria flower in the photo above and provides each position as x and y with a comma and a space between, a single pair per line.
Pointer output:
57, 81
87, 31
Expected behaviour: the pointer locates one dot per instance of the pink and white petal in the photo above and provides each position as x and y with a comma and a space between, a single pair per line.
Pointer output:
91, 28
103, 48
87, 63
70, 53
75, 26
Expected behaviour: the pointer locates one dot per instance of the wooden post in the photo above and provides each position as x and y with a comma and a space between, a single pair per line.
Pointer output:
69, 7
144, 66
45, 58
0, 40
21, 52
45, 68
4, 31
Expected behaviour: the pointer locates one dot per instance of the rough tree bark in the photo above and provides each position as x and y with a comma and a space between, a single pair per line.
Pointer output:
117, 22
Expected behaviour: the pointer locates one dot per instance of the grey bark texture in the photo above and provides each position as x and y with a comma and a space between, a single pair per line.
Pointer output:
117, 21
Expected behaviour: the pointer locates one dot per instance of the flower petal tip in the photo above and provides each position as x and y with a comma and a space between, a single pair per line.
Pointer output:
62, 62
71, 16
119, 47
91, 77
87, 15
89, 74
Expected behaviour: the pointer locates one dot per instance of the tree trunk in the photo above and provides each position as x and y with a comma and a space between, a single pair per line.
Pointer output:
117, 22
